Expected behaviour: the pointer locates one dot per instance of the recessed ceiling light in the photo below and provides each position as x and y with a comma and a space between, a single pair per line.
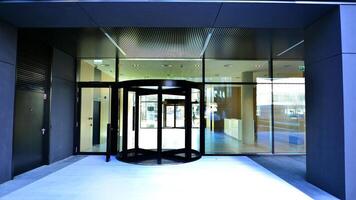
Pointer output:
97, 61
135, 65
227, 65
167, 65
197, 65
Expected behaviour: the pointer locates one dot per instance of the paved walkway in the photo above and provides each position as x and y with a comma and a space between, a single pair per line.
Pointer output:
208, 178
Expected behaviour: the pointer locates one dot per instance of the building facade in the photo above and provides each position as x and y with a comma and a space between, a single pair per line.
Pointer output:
221, 77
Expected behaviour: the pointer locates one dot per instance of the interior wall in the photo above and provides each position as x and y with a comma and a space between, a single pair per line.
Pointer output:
62, 106
8, 41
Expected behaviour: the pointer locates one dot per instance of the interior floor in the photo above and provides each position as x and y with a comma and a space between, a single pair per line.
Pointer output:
215, 142
92, 178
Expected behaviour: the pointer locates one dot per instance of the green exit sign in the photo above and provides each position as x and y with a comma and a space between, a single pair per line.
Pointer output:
301, 68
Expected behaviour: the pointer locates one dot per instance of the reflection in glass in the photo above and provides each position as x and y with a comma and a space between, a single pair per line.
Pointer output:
238, 118
289, 115
102, 70
94, 117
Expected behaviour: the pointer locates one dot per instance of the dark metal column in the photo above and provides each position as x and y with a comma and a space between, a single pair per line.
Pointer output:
159, 125
114, 119
188, 123
202, 120
137, 122
202, 110
124, 122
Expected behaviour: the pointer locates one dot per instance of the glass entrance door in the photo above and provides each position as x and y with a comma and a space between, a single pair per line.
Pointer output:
95, 111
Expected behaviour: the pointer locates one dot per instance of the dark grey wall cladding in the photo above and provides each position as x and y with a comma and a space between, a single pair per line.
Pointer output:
8, 44
62, 106
348, 30
330, 102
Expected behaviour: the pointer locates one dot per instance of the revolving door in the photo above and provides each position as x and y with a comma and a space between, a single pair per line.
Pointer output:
157, 122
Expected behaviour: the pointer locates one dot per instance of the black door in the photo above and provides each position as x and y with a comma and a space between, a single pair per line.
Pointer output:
29, 131
31, 122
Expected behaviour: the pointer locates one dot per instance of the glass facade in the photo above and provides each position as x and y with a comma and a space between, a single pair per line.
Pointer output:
253, 104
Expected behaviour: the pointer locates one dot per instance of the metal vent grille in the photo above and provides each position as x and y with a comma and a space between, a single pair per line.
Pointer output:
160, 42
33, 65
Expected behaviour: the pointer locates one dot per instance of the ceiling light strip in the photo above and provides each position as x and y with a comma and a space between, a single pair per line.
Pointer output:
290, 48
207, 40
113, 41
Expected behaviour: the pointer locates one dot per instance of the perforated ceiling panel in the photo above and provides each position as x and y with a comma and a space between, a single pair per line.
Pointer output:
160, 42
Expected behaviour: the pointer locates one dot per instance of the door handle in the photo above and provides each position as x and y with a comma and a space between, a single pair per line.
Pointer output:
43, 131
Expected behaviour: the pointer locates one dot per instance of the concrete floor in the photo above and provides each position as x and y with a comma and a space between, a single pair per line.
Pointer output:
211, 177
293, 170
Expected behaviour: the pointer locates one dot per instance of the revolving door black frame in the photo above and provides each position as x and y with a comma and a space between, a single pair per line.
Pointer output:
181, 88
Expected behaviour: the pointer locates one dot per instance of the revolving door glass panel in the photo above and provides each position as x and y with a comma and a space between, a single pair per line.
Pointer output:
147, 121
173, 130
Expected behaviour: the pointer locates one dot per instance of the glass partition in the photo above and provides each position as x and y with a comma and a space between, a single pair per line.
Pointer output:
289, 106
238, 118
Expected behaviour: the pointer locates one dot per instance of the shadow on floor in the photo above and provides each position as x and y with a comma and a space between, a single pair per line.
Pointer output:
29, 177
292, 169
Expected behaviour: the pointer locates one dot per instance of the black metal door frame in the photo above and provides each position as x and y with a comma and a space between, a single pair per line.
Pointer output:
80, 86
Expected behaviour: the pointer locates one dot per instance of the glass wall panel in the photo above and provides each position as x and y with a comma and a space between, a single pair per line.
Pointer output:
289, 106
94, 117
173, 69
101, 70
288, 69
235, 70
238, 118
